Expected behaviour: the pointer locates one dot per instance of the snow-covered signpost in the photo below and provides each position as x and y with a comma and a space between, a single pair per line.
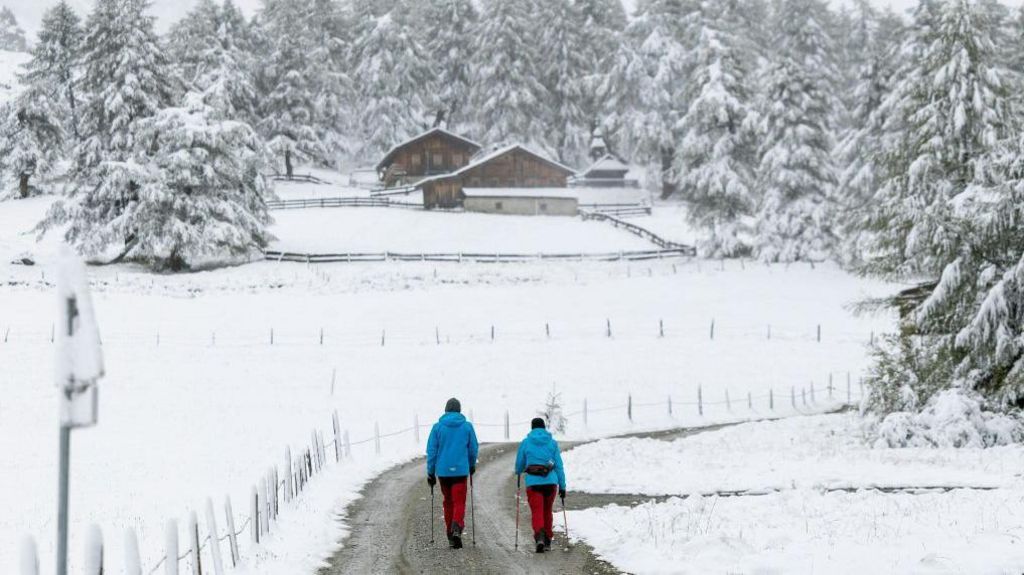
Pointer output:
79, 366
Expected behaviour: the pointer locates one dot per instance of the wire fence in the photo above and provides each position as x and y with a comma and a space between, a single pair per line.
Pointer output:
282, 485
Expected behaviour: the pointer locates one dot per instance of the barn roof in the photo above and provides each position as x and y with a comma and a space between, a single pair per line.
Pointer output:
553, 193
391, 153
487, 157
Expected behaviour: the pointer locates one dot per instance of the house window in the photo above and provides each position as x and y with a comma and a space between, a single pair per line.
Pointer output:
416, 160
499, 206
438, 160
457, 159
543, 207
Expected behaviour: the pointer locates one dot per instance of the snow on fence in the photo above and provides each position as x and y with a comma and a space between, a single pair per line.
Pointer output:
340, 202
665, 253
435, 335
209, 548
308, 178
637, 230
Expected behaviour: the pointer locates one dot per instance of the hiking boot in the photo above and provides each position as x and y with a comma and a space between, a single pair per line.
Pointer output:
547, 542
456, 537
539, 540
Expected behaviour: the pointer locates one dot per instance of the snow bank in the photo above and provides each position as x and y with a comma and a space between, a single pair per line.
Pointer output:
807, 532
819, 452
952, 418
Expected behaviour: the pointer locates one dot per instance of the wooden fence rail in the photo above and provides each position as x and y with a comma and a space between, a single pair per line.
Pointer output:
340, 202
638, 231
676, 252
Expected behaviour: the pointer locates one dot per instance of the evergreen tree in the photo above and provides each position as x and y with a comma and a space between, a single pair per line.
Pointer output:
562, 41
948, 110
602, 25
53, 71
507, 94
12, 37
717, 153
394, 84
796, 174
194, 41
31, 138
449, 46
327, 68
288, 110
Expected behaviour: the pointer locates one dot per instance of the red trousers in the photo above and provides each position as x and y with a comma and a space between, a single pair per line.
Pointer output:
454, 491
542, 502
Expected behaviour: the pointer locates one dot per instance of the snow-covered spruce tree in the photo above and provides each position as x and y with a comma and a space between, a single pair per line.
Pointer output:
449, 45
12, 37
204, 199
562, 41
328, 68
646, 84
194, 41
796, 173
31, 139
507, 96
394, 84
856, 152
941, 135
288, 111
126, 79
603, 23
716, 157
53, 71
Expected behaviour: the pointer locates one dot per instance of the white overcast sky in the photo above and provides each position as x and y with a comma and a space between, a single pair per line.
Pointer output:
29, 12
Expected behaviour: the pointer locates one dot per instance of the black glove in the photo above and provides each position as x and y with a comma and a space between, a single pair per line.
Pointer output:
562, 495
431, 480
472, 469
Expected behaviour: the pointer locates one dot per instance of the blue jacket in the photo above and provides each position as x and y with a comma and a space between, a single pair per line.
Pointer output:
539, 448
452, 447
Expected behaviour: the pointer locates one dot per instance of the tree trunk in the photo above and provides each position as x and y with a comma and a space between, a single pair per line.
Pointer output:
23, 186
288, 170
668, 187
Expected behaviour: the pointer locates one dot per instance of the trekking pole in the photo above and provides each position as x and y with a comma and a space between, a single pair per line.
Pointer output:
565, 522
472, 508
517, 510
431, 514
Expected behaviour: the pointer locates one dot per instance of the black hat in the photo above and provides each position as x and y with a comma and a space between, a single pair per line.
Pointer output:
537, 423
453, 405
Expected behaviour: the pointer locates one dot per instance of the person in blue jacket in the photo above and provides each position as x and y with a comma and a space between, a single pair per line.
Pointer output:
541, 460
451, 457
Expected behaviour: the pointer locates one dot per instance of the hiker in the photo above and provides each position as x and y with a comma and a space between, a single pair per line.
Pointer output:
540, 459
451, 457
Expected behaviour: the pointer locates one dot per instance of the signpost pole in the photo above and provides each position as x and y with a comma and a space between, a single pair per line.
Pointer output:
65, 463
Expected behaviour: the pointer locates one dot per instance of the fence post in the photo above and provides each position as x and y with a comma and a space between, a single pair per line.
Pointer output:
193, 543
661, 328
171, 547
769, 331
211, 528
254, 515
229, 518
264, 505
288, 492
803, 395
609, 326
585, 413
28, 562
700, 400
629, 407
819, 333
712, 329
750, 402
812, 393
849, 395
507, 427
416, 427
792, 396
771, 399
492, 332
830, 387
271, 336
321, 336
132, 561
383, 336
376, 437
670, 406
437, 335
728, 403
547, 330
348, 446
337, 436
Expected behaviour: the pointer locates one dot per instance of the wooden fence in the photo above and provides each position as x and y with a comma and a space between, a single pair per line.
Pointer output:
340, 202
666, 253
638, 231
308, 178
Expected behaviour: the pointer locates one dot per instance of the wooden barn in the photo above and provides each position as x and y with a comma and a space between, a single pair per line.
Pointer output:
521, 201
509, 167
436, 151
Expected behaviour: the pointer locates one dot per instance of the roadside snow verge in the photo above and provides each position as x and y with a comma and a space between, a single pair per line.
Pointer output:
951, 419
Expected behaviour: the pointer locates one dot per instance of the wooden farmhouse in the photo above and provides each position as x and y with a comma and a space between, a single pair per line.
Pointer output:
502, 171
433, 152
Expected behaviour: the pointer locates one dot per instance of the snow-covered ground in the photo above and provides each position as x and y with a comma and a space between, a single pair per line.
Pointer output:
343, 230
791, 521
198, 403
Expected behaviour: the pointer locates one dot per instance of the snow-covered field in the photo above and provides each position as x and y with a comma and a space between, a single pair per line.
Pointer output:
198, 402
792, 520
345, 230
